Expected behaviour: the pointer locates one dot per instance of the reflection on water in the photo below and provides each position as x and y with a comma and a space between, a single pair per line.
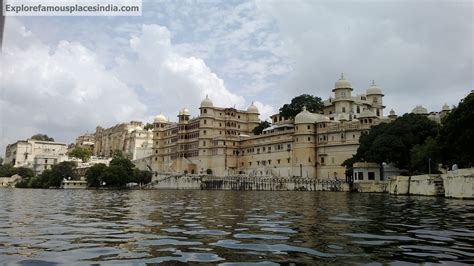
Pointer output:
231, 228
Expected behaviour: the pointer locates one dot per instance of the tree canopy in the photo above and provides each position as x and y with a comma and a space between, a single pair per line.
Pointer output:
456, 137
148, 126
7, 170
119, 172
51, 177
81, 153
393, 142
313, 104
43, 137
258, 129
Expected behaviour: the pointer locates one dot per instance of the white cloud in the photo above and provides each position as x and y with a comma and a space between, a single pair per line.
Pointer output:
173, 80
59, 90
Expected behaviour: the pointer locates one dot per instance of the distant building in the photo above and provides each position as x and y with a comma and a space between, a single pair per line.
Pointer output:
129, 138
86, 141
220, 140
434, 116
37, 155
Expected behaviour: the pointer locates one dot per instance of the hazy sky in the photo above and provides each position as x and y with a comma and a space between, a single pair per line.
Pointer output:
63, 76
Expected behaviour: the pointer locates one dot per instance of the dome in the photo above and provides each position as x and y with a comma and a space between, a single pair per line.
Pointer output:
252, 109
206, 102
445, 107
184, 111
342, 83
321, 118
374, 89
367, 113
138, 128
392, 112
160, 119
419, 110
305, 117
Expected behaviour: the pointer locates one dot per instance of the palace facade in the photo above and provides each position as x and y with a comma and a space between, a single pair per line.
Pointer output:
220, 140
131, 139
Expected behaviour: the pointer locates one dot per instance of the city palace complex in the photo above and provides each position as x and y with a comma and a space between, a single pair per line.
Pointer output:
220, 140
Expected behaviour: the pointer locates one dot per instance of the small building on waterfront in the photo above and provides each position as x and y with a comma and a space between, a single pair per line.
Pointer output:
364, 172
74, 184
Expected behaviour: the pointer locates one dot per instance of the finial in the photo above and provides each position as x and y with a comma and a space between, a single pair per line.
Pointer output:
304, 107
373, 82
342, 75
207, 97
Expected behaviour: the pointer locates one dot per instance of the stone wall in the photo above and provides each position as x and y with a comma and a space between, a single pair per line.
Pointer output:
453, 184
426, 185
371, 186
459, 183
243, 182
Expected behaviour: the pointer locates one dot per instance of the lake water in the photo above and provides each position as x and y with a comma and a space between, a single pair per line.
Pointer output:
231, 227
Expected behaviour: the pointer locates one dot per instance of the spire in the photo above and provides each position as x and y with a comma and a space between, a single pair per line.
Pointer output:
373, 82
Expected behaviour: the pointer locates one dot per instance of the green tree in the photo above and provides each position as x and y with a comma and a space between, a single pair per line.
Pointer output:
425, 157
81, 153
119, 172
58, 172
313, 104
24, 172
148, 126
94, 174
7, 170
261, 126
1, 160
456, 137
43, 137
393, 142
141, 177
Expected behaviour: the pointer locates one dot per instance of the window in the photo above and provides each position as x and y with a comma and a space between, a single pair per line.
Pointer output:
371, 176
205, 111
204, 143
309, 126
322, 160
309, 138
278, 161
343, 109
204, 132
361, 176
358, 109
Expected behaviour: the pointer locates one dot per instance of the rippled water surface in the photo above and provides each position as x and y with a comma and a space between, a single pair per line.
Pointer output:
231, 227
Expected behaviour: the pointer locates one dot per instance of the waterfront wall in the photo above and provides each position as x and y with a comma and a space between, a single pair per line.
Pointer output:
243, 182
459, 183
371, 187
426, 185
453, 184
